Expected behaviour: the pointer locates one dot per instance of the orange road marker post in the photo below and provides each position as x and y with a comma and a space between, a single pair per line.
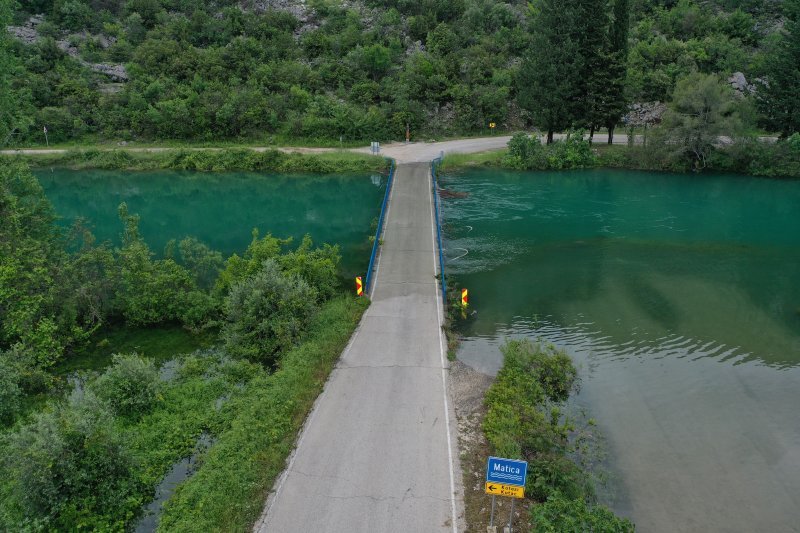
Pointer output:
359, 286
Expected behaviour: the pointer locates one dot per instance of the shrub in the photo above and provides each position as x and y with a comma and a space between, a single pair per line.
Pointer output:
317, 266
130, 386
70, 468
528, 153
560, 515
267, 313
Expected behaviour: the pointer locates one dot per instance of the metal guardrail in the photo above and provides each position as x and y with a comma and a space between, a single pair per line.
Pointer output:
434, 164
376, 244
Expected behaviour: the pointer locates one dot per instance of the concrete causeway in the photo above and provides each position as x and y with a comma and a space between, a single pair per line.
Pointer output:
378, 453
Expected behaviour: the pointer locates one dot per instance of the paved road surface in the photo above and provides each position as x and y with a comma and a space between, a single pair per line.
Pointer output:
377, 453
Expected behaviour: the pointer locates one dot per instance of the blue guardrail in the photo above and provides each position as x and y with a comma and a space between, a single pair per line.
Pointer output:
434, 184
376, 244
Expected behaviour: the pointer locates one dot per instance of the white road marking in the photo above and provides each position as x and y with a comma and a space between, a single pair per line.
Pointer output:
444, 375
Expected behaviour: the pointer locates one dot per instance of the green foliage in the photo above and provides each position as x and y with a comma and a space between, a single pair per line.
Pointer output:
71, 469
267, 313
205, 71
778, 96
528, 153
562, 515
228, 492
10, 392
130, 385
702, 110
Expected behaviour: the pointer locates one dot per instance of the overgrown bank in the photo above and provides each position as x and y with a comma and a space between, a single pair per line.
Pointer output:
525, 419
742, 156
243, 159
88, 452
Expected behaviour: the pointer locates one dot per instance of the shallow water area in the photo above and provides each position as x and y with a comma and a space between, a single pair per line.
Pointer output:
679, 298
222, 208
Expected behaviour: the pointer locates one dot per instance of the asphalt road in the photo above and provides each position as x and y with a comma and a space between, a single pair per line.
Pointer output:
377, 454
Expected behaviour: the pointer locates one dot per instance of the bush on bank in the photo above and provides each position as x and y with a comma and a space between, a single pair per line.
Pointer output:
524, 420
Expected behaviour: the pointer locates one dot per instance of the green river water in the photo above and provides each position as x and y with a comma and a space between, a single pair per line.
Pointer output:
678, 296
221, 209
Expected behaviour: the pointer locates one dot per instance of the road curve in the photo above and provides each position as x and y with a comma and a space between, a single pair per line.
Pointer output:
377, 453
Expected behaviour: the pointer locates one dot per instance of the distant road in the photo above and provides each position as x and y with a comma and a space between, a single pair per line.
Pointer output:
414, 152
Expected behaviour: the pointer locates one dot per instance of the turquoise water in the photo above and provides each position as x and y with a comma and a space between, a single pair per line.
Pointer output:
679, 298
221, 209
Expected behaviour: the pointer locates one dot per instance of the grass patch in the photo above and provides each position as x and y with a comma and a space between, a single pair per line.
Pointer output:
229, 490
493, 158
218, 160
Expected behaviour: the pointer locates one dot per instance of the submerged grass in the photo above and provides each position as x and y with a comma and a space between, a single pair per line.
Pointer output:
159, 343
229, 490
218, 160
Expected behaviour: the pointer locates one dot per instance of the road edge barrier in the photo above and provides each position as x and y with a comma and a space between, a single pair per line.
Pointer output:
376, 244
434, 183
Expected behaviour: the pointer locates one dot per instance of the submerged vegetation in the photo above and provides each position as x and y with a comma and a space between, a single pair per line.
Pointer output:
89, 453
525, 420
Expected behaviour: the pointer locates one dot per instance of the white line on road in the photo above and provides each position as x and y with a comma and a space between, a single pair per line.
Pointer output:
444, 375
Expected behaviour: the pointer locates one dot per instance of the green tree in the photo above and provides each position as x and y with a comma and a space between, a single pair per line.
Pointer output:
778, 96
703, 109
71, 467
614, 99
267, 313
548, 81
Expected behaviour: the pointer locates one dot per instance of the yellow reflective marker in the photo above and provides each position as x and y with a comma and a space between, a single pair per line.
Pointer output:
492, 125
498, 489
359, 286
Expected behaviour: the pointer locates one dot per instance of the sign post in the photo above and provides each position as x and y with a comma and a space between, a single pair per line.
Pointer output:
45, 137
505, 477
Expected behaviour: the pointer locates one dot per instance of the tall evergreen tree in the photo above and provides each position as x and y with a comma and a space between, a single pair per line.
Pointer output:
779, 96
616, 102
592, 34
548, 82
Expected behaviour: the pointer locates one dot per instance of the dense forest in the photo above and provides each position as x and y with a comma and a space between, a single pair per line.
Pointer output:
326, 70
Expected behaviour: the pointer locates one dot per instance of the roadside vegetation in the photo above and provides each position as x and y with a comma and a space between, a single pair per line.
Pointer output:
525, 420
243, 159
86, 449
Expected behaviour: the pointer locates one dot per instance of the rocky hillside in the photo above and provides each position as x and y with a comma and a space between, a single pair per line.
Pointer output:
324, 69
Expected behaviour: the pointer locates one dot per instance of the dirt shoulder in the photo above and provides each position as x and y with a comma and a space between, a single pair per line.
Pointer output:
467, 390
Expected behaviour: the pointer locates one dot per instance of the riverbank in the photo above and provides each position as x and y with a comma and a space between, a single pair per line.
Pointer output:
749, 157
520, 414
206, 159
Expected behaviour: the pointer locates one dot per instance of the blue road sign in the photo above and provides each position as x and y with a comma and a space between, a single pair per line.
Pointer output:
506, 471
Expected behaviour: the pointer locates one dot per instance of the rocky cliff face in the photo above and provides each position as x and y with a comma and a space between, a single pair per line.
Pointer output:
29, 35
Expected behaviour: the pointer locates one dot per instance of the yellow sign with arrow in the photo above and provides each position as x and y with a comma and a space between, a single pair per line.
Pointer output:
499, 489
